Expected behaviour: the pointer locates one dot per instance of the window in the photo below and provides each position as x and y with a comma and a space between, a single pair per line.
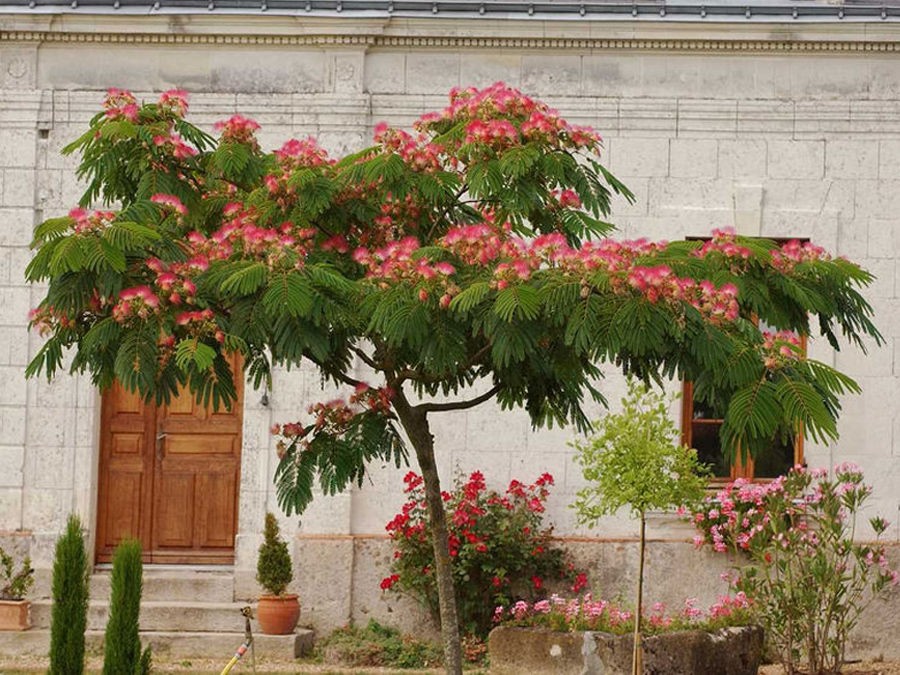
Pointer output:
700, 429
700, 425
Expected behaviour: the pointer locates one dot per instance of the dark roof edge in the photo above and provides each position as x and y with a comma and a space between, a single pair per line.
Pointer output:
472, 9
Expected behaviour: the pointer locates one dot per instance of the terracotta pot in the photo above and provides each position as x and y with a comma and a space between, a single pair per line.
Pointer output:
14, 614
278, 614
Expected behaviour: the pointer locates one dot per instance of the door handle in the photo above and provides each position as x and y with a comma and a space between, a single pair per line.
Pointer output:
159, 445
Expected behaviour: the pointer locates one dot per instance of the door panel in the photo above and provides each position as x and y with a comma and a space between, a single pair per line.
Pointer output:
169, 476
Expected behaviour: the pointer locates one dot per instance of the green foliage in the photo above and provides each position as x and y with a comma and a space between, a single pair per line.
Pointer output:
634, 459
500, 549
274, 569
15, 584
71, 590
377, 646
122, 644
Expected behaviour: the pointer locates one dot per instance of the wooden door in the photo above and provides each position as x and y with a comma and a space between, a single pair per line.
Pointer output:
169, 477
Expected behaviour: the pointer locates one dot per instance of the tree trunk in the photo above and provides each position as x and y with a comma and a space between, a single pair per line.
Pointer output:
415, 422
637, 660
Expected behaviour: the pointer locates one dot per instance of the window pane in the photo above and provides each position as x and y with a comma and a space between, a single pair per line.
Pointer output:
705, 439
775, 461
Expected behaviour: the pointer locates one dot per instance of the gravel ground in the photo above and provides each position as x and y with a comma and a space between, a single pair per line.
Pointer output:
30, 665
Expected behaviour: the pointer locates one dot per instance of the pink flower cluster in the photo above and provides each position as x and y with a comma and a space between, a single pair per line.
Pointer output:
500, 116
301, 153
173, 281
417, 152
735, 514
333, 417
174, 102
91, 221
395, 262
170, 203
791, 254
138, 301
781, 348
273, 246
589, 613
120, 104
46, 319
238, 129
174, 145
723, 242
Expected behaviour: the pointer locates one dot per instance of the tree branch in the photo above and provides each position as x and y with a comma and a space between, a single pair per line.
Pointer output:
338, 375
459, 405
369, 361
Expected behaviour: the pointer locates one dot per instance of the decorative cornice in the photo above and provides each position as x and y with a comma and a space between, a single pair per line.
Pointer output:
455, 42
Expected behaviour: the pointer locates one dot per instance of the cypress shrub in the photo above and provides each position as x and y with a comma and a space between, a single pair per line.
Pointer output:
122, 644
71, 574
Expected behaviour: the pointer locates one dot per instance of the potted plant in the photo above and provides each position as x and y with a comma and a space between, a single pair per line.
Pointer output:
14, 586
278, 612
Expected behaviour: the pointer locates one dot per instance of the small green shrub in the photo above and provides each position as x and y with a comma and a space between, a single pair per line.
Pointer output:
15, 585
122, 644
377, 646
273, 567
71, 574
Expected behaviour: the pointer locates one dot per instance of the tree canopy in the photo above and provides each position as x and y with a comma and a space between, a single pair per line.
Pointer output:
466, 255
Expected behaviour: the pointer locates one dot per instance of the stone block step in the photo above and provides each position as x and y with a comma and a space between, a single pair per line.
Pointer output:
206, 617
208, 586
36, 642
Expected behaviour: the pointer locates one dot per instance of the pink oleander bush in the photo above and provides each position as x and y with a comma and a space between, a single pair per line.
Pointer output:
499, 547
808, 576
588, 613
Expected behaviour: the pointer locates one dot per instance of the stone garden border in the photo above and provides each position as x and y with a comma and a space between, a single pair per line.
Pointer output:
539, 651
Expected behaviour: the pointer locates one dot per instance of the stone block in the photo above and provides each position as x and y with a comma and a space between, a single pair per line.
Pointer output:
879, 119
264, 71
17, 148
768, 118
730, 651
10, 508
46, 510
621, 207
679, 194
432, 73
484, 68
325, 590
14, 393
707, 118
889, 160
18, 187
12, 459
821, 228
821, 119
883, 237
639, 157
853, 237
12, 425
818, 196
742, 158
693, 158
642, 117
547, 74
848, 159
796, 159
385, 73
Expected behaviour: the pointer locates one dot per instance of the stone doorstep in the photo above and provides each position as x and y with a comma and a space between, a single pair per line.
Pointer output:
36, 642
211, 586
158, 615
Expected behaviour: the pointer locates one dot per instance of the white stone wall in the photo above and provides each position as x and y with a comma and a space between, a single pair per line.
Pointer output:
770, 133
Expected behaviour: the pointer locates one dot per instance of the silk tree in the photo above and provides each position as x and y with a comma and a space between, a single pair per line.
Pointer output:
461, 263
